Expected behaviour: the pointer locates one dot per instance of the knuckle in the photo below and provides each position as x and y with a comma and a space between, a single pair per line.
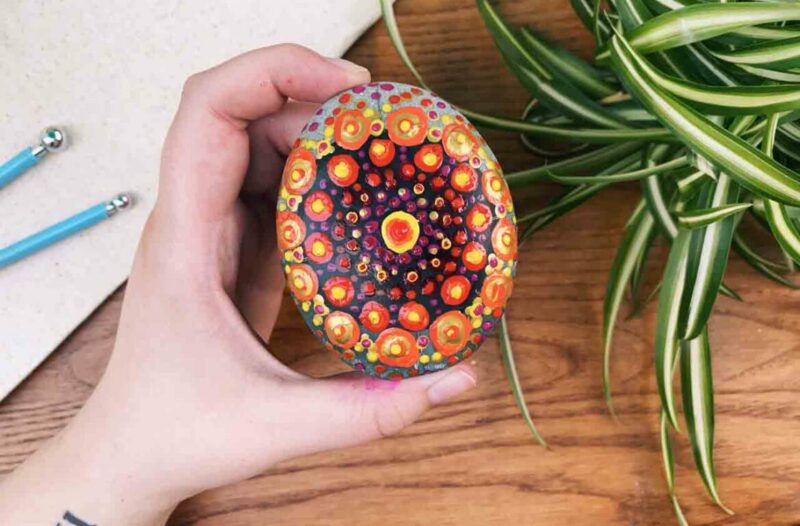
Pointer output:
192, 84
390, 418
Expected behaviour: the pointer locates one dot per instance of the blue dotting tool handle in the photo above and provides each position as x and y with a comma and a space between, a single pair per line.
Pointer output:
50, 140
17, 165
55, 233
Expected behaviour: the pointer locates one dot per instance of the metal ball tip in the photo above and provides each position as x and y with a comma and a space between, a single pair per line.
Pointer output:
53, 139
118, 202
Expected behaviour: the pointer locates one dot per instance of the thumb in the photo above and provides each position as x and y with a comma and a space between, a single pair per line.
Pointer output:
351, 409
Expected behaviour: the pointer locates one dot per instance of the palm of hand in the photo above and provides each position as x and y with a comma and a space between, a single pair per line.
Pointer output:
190, 388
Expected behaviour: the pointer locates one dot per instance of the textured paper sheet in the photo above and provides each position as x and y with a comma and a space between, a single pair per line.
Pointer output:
111, 73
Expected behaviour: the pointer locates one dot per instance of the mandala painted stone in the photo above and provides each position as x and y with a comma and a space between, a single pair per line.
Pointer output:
397, 231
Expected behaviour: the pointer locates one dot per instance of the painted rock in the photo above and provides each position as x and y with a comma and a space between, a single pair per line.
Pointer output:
397, 231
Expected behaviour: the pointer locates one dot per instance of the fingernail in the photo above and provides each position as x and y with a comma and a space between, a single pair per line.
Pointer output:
351, 68
453, 384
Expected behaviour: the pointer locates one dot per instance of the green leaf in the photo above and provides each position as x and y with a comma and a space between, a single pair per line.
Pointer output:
698, 408
542, 83
567, 202
751, 168
708, 260
759, 264
394, 35
668, 462
666, 452
699, 22
689, 183
654, 194
565, 64
585, 9
506, 40
635, 175
637, 235
727, 100
727, 291
637, 277
781, 54
513, 377
705, 216
512, 125
574, 197
596, 159
562, 205
780, 222
781, 76
591, 135
560, 97
669, 307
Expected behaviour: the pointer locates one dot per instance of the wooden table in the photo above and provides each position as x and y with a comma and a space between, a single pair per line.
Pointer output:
473, 462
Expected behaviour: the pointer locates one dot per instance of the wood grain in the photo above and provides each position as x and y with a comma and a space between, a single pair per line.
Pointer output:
473, 462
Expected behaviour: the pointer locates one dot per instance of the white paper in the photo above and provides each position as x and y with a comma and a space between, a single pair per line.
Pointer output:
111, 73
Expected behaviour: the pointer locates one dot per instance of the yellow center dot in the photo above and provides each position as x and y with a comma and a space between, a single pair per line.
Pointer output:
429, 159
351, 128
338, 293
379, 149
341, 170
413, 316
404, 125
395, 349
496, 186
462, 179
317, 206
479, 219
474, 257
318, 248
372, 356
456, 292
506, 239
297, 175
374, 317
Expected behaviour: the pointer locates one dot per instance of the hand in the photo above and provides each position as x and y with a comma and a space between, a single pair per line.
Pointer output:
191, 399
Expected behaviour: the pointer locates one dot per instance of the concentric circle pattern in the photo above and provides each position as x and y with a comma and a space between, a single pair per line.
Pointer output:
397, 231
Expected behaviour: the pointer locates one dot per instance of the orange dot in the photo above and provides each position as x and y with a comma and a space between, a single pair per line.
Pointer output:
455, 290
343, 170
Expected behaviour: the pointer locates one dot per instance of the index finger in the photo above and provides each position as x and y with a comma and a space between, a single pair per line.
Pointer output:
206, 152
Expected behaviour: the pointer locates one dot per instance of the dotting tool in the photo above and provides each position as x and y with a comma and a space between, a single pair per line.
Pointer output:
52, 140
62, 230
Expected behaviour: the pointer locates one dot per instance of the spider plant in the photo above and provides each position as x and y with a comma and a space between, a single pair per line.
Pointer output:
695, 101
